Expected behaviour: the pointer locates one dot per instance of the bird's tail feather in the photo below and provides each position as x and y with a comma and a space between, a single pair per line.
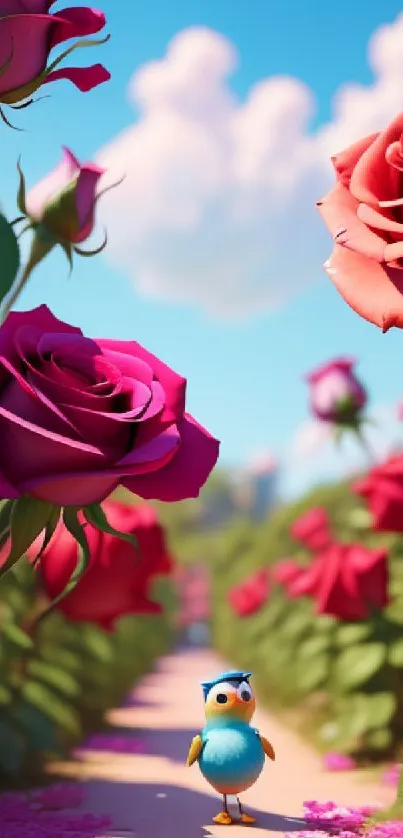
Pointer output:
233, 807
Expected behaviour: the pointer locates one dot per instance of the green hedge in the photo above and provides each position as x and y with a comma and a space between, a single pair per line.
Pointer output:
56, 686
339, 683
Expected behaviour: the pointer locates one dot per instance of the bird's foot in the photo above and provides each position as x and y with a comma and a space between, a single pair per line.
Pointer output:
223, 818
247, 818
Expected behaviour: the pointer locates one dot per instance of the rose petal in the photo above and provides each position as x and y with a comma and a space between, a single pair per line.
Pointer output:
346, 160
75, 23
84, 78
187, 472
26, 38
85, 198
373, 178
174, 385
374, 291
339, 212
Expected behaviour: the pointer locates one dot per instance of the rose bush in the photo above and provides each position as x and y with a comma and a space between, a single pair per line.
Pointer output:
79, 416
364, 213
336, 395
28, 33
118, 578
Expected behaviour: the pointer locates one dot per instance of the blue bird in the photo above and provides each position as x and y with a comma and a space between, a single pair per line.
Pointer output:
229, 751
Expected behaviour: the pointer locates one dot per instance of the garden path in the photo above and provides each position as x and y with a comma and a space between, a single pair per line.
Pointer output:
154, 794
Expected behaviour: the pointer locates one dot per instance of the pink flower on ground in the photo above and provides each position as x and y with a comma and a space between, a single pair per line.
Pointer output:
79, 416
312, 529
336, 394
338, 762
64, 201
363, 213
391, 776
28, 33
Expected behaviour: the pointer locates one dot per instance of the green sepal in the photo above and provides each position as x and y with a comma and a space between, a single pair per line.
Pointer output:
95, 515
92, 252
10, 257
60, 217
29, 516
66, 247
49, 531
72, 524
21, 194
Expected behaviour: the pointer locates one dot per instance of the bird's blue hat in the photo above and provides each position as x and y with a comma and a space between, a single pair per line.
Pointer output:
233, 675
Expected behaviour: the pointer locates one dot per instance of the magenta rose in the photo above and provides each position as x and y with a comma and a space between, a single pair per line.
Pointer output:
79, 416
364, 214
336, 394
28, 33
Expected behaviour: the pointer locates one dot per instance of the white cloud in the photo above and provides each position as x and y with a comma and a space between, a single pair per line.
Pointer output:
218, 205
315, 458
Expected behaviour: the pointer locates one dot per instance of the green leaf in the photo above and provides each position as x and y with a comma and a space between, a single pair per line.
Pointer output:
55, 677
313, 673
382, 707
12, 748
29, 516
17, 636
394, 613
352, 633
52, 706
296, 624
10, 257
358, 664
39, 728
5, 516
395, 653
5, 695
379, 740
314, 646
95, 515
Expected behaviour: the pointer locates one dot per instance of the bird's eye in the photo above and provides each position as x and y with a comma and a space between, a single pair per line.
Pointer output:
221, 693
244, 692
221, 698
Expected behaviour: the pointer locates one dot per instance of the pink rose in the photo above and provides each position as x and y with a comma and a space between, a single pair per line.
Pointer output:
28, 33
364, 213
64, 201
80, 416
285, 572
382, 488
251, 595
336, 395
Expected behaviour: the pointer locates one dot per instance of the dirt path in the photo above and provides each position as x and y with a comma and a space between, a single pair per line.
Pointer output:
156, 796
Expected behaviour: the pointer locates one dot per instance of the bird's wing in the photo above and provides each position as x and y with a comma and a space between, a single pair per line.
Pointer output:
267, 747
194, 750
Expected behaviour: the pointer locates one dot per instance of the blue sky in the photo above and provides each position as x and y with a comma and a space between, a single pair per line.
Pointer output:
245, 377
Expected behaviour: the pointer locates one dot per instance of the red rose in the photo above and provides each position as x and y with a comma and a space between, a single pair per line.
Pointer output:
285, 572
364, 213
118, 579
249, 597
346, 580
382, 488
312, 528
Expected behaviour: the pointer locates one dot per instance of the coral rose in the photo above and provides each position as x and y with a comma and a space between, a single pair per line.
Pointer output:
312, 529
336, 395
79, 416
249, 597
382, 488
28, 33
364, 213
115, 583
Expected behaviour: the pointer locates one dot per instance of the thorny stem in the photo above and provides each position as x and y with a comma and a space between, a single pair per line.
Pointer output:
39, 250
